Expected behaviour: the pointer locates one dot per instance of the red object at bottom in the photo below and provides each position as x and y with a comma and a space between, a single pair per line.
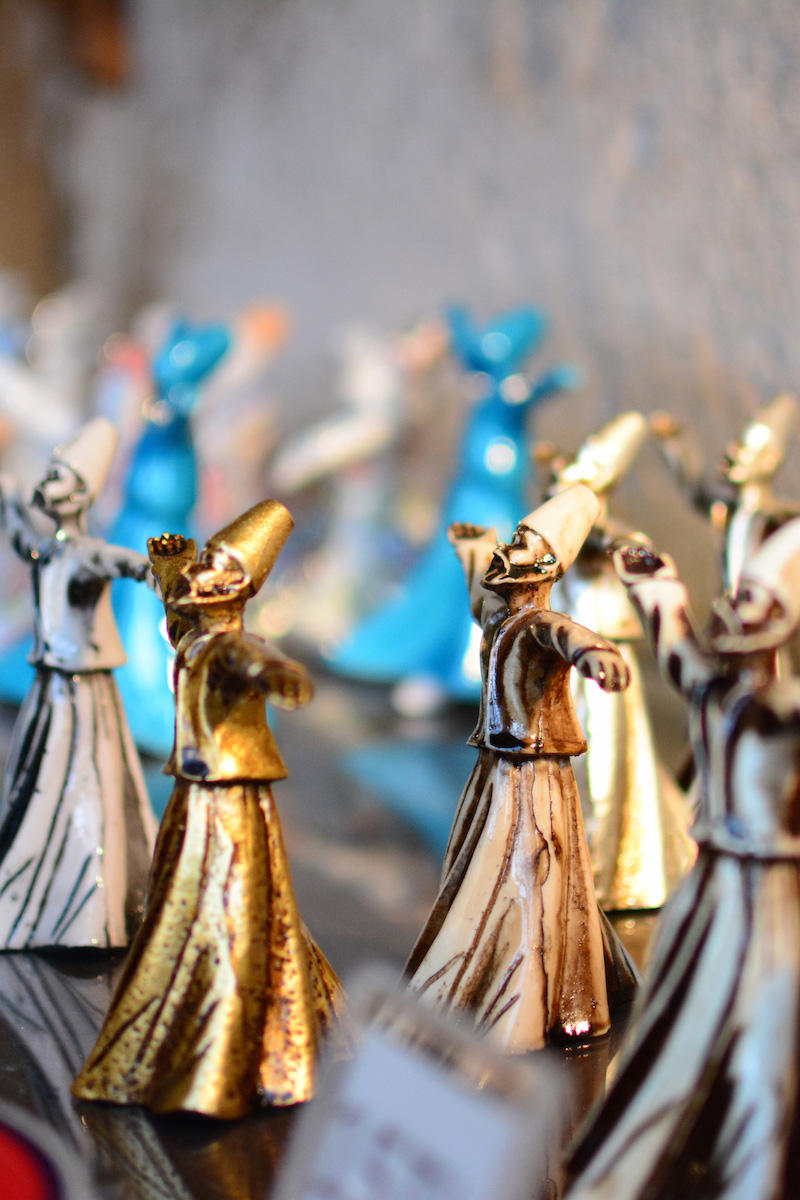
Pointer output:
24, 1171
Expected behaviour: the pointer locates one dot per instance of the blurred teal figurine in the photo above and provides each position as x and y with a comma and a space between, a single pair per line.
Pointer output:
431, 650
160, 493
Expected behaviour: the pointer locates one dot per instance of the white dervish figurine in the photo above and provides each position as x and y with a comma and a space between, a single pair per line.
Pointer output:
76, 827
705, 1098
516, 943
638, 818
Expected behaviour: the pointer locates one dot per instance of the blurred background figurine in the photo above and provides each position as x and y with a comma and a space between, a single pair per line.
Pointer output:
706, 1097
225, 997
77, 830
516, 941
160, 492
636, 815
351, 450
437, 657
740, 503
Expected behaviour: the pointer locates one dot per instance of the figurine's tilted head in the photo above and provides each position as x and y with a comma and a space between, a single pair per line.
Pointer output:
545, 542
235, 562
766, 608
758, 453
606, 456
77, 470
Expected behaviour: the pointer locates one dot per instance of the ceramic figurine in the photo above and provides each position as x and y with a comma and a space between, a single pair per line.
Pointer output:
637, 817
705, 1099
160, 493
439, 656
516, 942
351, 451
741, 504
225, 997
76, 830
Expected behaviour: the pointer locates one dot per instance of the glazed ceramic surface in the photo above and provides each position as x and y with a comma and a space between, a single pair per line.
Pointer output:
704, 1101
516, 943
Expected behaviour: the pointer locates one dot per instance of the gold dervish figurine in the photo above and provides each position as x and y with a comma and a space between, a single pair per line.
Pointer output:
225, 997
516, 943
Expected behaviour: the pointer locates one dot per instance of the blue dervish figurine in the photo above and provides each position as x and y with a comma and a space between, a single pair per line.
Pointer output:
160, 493
432, 650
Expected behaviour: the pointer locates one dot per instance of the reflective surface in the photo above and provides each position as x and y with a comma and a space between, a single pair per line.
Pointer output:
364, 882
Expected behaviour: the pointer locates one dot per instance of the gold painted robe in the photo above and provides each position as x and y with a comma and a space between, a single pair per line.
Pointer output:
225, 996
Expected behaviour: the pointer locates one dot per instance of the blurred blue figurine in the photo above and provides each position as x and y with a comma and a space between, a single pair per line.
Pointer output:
160, 493
431, 650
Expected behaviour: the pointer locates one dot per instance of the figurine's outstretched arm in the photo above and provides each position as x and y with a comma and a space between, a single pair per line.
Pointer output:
683, 462
662, 602
17, 519
118, 562
475, 545
592, 655
284, 682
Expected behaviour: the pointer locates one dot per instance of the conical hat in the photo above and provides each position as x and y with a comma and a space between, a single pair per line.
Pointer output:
761, 448
606, 455
91, 453
779, 418
776, 567
565, 521
255, 539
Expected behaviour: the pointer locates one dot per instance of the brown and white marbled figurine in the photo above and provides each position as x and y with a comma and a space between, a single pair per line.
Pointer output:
637, 816
705, 1100
740, 503
516, 943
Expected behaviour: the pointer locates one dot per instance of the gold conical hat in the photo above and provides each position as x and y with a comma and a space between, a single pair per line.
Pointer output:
777, 419
606, 456
255, 539
564, 522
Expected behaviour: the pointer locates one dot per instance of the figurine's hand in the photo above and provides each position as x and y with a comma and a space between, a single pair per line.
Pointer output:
636, 559
463, 531
287, 685
167, 546
606, 667
664, 425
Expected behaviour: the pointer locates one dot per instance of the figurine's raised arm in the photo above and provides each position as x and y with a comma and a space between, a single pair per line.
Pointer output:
474, 545
662, 602
17, 520
683, 462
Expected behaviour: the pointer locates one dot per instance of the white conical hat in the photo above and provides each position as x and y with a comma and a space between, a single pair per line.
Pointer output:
91, 453
565, 521
776, 567
779, 417
607, 455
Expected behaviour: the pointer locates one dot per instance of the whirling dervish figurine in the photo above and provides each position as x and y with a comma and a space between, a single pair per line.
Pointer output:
76, 829
350, 449
225, 997
439, 657
638, 818
705, 1099
516, 943
160, 493
740, 504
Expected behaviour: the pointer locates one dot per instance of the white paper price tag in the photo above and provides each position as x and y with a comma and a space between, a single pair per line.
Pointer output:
421, 1112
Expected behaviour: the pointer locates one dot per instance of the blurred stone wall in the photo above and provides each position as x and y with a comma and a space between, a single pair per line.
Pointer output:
631, 165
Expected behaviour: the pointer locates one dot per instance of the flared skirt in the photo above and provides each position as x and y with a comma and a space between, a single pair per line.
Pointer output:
225, 998
516, 943
76, 827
